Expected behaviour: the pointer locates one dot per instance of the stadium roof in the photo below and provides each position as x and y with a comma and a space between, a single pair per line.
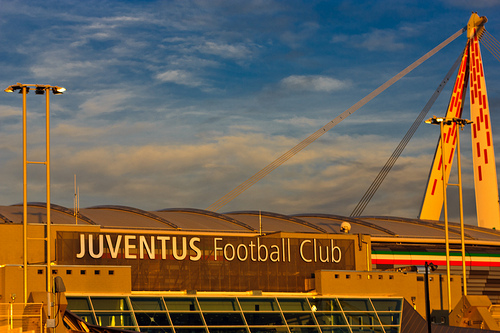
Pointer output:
197, 220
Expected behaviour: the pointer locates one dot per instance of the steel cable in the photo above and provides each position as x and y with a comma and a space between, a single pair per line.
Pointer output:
313, 137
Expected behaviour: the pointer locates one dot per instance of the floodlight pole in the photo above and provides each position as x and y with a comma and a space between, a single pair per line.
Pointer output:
445, 207
40, 89
459, 124
25, 198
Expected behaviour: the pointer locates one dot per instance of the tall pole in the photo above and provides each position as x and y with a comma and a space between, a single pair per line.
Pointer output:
47, 165
427, 299
462, 232
445, 206
25, 200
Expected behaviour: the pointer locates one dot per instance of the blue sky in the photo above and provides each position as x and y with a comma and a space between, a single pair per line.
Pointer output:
175, 103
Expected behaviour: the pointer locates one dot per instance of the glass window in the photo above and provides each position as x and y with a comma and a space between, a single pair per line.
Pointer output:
227, 330
303, 330
326, 329
268, 330
218, 304
186, 319
324, 304
362, 319
223, 319
110, 303
355, 304
115, 319
389, 318
181, 304
258, 304
190, 330
262, 318
87, 316
391, 329
330, 318
152, 319
147, 303
78, 303
156, 329
387, 304
371, 329
299, 318
294, 304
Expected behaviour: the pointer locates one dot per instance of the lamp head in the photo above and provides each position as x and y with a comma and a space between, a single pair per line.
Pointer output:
58, 90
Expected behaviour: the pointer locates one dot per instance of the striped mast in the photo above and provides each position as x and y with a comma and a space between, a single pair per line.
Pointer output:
485, 177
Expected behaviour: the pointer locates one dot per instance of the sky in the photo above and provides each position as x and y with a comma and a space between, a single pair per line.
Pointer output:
172, 104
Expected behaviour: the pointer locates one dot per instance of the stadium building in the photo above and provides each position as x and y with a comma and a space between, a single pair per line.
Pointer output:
187, 270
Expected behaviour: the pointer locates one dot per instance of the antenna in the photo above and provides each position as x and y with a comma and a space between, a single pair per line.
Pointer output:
76, 201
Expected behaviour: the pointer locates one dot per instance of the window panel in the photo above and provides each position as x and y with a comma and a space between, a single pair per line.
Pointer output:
223, 319
299, 318
391, 329
390, 318
387, 304
181, 304
156, 329
324, 304
186, 319
218, 304
298, 304
87, 316
147, 303
327, 329
355, 304
362, 319
115, 319
299, 329
152, 319
262, 318
258, 304
330, 318
109, 303
278, 329
190, 330
227, 330
78, 303
371, 329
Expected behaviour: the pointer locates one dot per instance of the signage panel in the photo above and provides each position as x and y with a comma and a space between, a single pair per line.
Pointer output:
208, 263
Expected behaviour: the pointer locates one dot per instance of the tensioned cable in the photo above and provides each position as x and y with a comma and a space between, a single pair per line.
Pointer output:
360, 207
313, 137
491, 44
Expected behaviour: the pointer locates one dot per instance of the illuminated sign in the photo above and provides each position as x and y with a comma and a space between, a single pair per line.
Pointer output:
225, 262
155, 247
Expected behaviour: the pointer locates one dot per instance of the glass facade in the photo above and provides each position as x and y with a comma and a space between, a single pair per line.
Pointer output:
245, 314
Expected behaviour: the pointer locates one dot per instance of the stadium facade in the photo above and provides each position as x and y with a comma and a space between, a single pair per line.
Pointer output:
188, 270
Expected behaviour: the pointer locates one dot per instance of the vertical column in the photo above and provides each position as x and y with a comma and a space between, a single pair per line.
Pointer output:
485, 175
433, 200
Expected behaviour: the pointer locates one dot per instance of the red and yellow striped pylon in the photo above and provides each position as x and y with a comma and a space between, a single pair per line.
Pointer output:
433, 200
483, 155
485, 176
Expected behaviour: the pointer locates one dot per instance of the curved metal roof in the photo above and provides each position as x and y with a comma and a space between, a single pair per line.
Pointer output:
196, 220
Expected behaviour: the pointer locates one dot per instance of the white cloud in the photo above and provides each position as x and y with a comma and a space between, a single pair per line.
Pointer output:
229, 51
179, 77
313, 83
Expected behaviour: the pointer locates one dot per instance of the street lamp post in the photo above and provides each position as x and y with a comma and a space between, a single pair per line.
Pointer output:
457, 122
427, 297
39, 90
